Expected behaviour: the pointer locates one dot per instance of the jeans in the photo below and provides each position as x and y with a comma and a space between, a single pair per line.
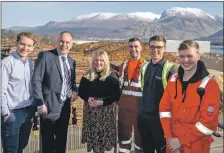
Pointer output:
15, 131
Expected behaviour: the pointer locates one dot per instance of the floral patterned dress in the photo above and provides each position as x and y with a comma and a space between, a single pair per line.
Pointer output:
99, 125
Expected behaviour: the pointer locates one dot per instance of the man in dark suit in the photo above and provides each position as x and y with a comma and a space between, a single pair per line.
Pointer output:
54, 88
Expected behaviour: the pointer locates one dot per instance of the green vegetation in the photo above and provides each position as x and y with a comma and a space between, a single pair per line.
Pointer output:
8, 34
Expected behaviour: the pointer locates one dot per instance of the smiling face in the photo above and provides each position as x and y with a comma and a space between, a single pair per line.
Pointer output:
24, 46
99, 63
135, 49
189, 58
156, 50
65, 43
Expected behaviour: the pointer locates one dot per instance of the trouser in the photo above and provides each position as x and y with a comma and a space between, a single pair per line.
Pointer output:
127, 119
54, 133
15, 131
152, 134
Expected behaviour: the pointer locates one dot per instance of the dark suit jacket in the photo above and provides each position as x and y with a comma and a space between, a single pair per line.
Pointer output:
47, 82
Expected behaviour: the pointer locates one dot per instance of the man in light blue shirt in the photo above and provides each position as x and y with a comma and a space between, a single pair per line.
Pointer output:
16, 90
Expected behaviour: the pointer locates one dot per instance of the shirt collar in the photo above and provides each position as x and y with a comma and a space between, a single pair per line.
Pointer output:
161, 62
16, 56
59, 54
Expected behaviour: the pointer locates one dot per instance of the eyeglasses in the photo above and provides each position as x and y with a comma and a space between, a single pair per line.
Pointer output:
156, 47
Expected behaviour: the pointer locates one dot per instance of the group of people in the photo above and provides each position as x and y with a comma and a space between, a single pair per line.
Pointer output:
169, 108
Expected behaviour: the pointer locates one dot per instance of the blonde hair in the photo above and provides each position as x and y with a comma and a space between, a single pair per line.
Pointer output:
28, 35
91, 74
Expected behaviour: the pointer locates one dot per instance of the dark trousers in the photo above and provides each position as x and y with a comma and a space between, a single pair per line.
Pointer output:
54, 133
15, 131
127, 121
152, 134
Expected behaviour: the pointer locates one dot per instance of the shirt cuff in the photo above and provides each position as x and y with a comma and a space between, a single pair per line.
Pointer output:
75, 89
5, 111
39, 107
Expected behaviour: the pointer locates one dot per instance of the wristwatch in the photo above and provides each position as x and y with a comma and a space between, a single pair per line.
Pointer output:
5, 115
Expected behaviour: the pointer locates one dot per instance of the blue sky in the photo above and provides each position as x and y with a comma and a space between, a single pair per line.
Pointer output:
39, 13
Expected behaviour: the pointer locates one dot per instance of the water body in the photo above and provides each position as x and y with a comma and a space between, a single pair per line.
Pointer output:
218, 49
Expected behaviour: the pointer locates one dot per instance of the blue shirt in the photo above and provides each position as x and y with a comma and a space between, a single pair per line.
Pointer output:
16, 83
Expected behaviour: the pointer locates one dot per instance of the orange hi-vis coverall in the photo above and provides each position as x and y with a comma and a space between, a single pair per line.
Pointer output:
130, 80
190, 121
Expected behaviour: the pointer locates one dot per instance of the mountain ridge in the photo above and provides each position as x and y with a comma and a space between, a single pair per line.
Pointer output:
173, 23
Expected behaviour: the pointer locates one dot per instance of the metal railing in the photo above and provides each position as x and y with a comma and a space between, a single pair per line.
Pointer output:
74, 139
220, 130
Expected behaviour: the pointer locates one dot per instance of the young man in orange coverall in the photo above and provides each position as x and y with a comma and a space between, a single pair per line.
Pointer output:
130, 80
189, 120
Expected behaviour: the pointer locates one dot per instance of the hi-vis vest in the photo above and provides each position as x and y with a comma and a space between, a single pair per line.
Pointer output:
130, 88
166, 68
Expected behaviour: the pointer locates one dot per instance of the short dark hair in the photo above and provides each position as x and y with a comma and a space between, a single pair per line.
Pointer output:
158, 38
134, 39
28, 35
186, 44
66, 32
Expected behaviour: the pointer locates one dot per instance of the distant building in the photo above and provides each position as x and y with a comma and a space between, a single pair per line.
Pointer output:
84, 41
172, 46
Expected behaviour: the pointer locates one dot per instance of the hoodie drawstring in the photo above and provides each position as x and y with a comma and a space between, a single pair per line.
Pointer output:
176, 92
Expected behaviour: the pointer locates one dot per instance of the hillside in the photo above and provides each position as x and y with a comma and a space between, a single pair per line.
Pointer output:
216, 37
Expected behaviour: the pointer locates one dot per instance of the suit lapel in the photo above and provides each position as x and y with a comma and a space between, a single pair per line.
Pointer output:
56, 59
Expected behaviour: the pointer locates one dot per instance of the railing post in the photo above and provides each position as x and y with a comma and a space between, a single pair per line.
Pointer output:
116, 122
40, 142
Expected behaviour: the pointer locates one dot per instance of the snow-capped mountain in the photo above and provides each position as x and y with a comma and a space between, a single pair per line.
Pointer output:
138, 16
97, 15
121, 17
173, 23
186, 12
145, 16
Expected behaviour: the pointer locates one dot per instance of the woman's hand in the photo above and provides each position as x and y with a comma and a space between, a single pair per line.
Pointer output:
93, 102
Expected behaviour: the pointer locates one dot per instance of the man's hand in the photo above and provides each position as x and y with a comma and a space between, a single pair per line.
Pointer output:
173, 144
180, 150
6, 117
74, 96
42, 110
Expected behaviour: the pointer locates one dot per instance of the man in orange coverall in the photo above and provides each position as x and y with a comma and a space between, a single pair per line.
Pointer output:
188, 119
130, 80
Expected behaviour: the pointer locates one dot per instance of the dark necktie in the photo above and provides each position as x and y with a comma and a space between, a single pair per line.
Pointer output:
67, 78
